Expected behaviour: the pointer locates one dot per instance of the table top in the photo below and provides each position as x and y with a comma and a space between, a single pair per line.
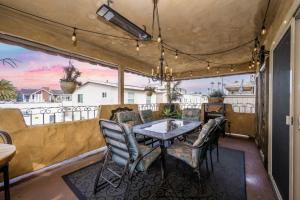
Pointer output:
7, 152
166, 129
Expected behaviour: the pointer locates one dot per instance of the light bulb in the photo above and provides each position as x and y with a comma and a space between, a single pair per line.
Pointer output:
73, 38
176, 55
74, 35
137, 46
263, 30
250, 67
231, 69
159, 38
163, 52
208, 67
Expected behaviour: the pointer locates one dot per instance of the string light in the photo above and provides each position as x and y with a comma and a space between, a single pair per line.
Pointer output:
250, 65
74, 35
231, 69
176, 54
208, 67
159, 38
137, 45
191, 74
263, 30
163, 52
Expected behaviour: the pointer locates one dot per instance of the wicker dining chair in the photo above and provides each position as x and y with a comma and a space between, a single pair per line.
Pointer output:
124, 151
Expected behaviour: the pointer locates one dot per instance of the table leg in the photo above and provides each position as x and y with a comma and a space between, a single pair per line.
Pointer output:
6, 182
163, 159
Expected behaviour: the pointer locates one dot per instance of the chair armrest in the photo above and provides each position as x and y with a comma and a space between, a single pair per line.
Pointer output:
139, 158
5, 137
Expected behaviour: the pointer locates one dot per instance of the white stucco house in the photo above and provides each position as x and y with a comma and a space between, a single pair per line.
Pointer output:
104, 93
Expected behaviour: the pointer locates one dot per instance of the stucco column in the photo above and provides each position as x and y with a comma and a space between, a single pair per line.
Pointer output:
121, 85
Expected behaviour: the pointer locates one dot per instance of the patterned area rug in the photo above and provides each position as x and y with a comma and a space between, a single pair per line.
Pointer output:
227, 181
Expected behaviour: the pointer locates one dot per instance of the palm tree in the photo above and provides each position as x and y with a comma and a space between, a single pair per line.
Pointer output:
174, 93
212, 85
7, 91
219, 83
9, 61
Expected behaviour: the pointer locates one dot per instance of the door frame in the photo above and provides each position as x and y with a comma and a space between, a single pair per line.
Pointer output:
279, 36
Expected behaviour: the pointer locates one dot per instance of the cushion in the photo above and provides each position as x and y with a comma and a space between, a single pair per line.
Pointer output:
183, 152
136, 150
146, 116
114, 131
204, 131
220, 120
191, 114
129, 117
148, 159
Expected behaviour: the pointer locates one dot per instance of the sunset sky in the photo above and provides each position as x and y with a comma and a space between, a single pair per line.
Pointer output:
36, 69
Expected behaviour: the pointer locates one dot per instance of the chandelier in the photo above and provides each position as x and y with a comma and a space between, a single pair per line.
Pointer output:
162, 71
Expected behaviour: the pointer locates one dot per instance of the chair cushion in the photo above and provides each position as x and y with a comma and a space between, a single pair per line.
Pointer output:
183, 152
220, 121
146, 116
204, 131
191, 114
136, 150
129, 117
148, 159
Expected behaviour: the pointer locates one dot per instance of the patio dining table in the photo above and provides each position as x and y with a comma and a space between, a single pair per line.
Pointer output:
165, 130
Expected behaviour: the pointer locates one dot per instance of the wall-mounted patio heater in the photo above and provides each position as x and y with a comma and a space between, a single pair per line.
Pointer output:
114, 17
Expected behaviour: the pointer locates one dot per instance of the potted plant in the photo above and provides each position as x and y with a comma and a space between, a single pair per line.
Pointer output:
149, 90
168, 113
216, 96
69, 83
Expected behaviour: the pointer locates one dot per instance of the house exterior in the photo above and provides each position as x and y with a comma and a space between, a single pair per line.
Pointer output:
240, 88
193, 98
104, 93
42, 95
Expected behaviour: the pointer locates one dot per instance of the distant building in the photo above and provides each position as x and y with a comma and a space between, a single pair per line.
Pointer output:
104, 93
42, 95
240, 88
194, 98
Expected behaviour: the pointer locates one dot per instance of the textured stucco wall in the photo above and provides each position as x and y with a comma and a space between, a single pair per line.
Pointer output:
43, 145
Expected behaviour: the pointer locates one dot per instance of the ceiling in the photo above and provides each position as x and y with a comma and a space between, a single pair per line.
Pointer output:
191, 26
